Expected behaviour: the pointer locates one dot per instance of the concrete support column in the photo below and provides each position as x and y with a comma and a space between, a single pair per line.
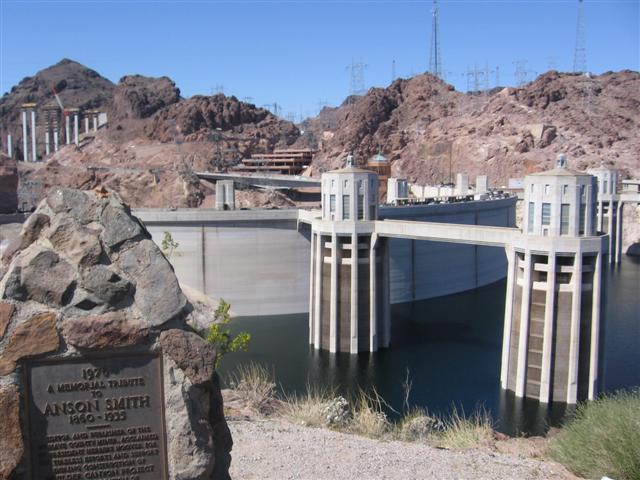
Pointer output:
617, 255
508, 314
373, 301
95, 122
86, 125
47, 149
595, 328
611, 229
574, 336
317, 313
333, 311
56, 135
312, 278
588, 221
600, 215
25, 138
523, 338
353, 347
9, 146
67, 129
76, 139
34, 154
386, 304
547, 341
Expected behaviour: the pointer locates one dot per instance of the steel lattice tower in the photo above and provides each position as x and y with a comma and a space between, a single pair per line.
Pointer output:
435, 60
580, 53
357, 77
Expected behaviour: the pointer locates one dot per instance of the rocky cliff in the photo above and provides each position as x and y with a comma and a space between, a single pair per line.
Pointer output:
427, 129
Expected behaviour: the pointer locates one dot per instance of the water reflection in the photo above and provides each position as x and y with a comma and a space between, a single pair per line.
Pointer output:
451, 349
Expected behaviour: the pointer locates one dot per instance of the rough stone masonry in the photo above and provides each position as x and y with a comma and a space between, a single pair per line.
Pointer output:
84, 289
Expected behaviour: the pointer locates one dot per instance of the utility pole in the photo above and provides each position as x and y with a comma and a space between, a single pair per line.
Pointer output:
435, 59
580, 52
393, 70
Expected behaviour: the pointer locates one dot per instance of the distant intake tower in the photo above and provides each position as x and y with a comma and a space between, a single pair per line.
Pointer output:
349, 297
552, 307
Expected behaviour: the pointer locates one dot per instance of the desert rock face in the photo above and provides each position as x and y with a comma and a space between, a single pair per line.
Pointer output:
426, 128
136, 96
199, 117
83, 277
429, 131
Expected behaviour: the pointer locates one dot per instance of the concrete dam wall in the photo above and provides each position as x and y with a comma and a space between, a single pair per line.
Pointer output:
259, 260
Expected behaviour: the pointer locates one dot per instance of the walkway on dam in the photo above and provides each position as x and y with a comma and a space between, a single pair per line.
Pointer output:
447, 232
273, 181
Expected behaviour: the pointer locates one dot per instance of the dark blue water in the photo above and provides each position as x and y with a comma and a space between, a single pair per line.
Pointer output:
450, 347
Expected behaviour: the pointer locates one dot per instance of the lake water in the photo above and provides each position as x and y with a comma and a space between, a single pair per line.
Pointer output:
450, 348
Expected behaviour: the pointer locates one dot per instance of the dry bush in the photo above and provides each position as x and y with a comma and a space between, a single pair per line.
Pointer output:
255, 385
463, 432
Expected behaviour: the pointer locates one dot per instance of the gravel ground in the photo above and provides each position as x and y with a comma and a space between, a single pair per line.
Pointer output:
277, 449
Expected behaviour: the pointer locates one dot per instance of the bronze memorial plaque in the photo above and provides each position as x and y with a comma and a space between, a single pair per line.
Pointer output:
97, 417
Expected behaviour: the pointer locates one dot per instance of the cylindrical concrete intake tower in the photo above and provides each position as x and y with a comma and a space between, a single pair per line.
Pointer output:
552, 307
349, 288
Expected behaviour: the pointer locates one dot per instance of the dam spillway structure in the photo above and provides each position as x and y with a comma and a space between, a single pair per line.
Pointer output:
349, 308
553, 299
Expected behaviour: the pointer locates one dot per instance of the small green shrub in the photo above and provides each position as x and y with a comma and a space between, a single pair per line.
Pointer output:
603, 438
219, 334
168, 245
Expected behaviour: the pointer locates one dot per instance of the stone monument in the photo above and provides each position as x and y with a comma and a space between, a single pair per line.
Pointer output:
100, 374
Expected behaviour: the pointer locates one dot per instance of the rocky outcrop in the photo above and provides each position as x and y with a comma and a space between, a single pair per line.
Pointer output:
8, 184
136, 96
425, 127
199, 118
84, 277
77, 86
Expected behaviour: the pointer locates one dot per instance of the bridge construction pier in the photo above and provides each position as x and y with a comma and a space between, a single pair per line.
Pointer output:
225, 195
554, 283
29, 110
349, 288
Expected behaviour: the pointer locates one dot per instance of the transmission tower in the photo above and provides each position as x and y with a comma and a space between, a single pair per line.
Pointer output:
356, 69
580, 53
435, 60
475, 79
551, 63
521, 73
393, 70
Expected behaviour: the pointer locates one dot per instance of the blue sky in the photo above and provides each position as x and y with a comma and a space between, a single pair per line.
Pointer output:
295, 53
